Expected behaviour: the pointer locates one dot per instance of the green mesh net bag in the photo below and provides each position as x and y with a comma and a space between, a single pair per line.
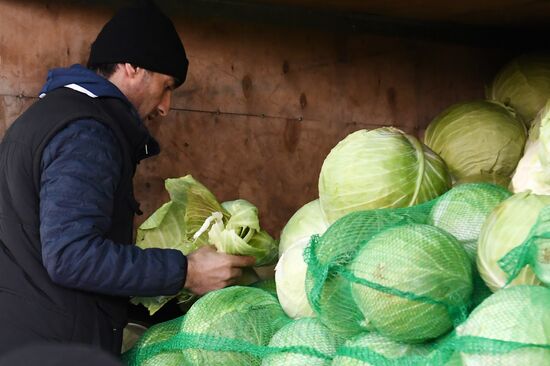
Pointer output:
405, 265
305, 341
388, 287
371, 349
462, 212
152, 337
328, 291
411, 282
225, 327
533, 252
508, 328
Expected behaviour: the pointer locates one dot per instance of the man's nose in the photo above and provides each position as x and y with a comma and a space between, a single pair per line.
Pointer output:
164, 106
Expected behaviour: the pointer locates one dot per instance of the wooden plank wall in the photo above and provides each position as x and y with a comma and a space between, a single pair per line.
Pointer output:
263, 104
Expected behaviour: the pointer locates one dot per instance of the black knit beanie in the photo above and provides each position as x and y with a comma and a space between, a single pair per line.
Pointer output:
143, 36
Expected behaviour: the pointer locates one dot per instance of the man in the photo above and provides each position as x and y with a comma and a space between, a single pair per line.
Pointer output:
66, 193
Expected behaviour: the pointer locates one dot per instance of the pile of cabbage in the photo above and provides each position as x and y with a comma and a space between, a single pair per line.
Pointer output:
383, 284
432, 251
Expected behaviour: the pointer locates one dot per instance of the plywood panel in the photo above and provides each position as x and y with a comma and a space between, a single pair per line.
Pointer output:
263, 104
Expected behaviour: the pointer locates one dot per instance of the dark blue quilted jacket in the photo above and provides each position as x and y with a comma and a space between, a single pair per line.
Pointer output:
81, 167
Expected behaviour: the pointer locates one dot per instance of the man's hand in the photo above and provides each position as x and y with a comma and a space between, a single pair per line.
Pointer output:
208, 270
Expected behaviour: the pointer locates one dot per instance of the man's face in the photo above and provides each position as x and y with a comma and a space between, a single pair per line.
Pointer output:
152, 94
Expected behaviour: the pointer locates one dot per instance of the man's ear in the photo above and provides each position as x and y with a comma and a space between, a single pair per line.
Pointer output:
130, 70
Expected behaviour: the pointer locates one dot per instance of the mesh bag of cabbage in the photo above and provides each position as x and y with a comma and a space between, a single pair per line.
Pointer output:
509, 328
404, 275
405, 272
225, 327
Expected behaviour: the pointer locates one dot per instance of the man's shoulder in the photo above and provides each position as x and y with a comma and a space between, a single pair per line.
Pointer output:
84, 135
88, 128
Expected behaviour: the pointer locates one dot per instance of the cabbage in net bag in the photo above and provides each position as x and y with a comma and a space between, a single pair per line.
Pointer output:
225, 327
388, 287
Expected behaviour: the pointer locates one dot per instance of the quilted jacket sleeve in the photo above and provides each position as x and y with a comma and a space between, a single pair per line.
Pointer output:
80, 170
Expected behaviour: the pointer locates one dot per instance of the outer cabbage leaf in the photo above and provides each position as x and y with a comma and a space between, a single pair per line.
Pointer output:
307, 221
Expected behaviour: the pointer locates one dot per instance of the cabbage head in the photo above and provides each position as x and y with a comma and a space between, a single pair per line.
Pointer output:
308, 220
155, 335
533, 170
328, 291
290, 272
519, 315
290, 277
372, 349
426, 277
506, 228
241, 234
462, 211
245, 315
318, 344
193, 218
479, 138
380, 168
524, 84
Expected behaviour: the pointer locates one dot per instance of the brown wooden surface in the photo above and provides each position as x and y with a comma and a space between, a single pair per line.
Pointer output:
263, 104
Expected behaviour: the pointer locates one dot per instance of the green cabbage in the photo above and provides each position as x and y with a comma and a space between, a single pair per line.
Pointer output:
524, 84
519, 314
158, 333
308, 220
290, 272
463, 210
506, 228
246, 314
175, 223
241, 234
479, 138
328, 291
380, 168
193, 218
418, 260
317, 342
